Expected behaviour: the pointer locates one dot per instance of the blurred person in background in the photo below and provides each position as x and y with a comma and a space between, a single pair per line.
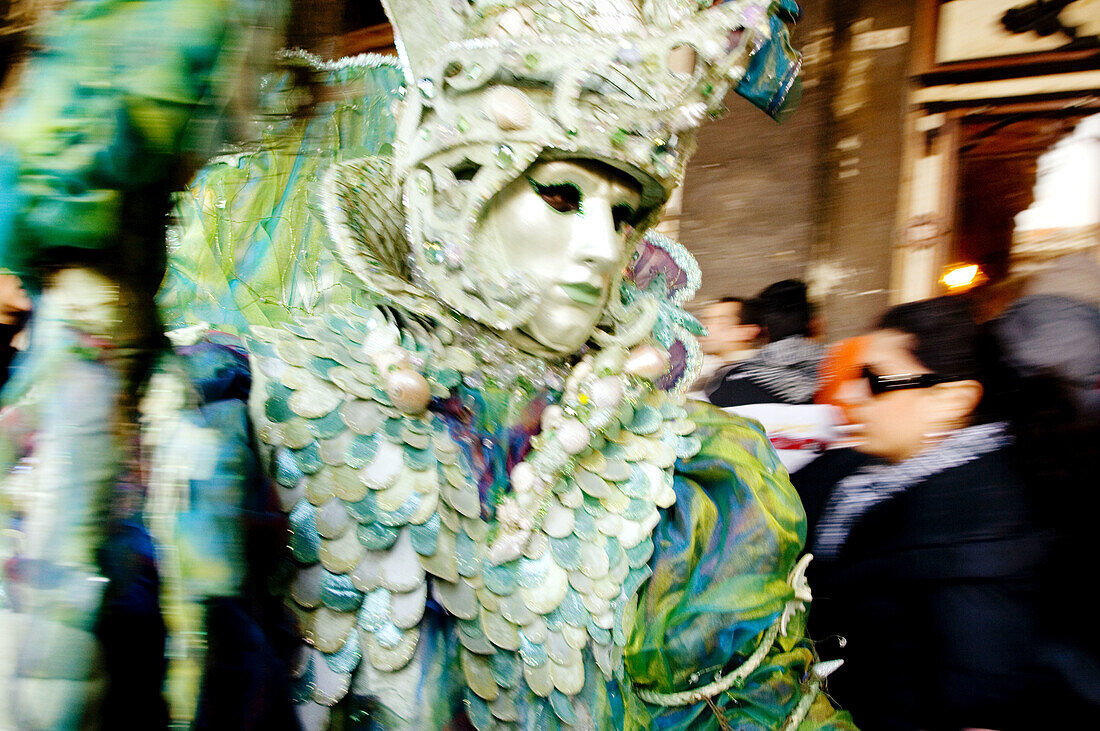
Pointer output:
1074, 276
15, 307
731, 336
785, 369
928, 561
776, 385
819, 326
1050, 345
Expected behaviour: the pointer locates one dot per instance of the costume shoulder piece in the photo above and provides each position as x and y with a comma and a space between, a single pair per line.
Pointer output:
249, 245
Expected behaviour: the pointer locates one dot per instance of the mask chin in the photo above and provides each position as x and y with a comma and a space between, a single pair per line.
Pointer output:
530, 343
526, 342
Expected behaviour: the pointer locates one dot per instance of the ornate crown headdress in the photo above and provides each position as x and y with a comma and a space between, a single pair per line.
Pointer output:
495, 84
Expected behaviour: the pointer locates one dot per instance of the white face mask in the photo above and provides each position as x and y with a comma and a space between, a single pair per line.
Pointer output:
563, 225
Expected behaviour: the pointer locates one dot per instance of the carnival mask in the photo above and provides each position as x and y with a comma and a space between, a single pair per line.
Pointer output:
561, 226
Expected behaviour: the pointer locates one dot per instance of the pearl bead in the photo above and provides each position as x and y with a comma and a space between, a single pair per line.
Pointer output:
606, 392
551, 416
408, 390
523, 478
646, 361
573, 436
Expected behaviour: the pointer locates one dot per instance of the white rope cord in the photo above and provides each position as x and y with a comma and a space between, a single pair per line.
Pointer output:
809, 695
720, 684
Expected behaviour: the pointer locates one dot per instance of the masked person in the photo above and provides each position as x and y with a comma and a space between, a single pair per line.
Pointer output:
465, 366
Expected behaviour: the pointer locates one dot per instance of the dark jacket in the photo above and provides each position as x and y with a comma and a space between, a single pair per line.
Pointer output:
934, 593
783, 372
729, 387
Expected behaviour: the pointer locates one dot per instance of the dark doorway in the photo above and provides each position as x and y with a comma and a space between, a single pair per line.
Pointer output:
998, 159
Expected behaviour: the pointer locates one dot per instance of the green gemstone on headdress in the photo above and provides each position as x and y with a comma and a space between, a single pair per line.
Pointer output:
619, 137
462, 124
433, 250
505, 156
531, 60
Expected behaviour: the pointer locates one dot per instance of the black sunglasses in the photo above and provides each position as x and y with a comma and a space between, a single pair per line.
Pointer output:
882, 384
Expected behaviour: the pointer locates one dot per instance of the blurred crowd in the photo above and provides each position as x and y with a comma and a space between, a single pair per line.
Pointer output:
946, 464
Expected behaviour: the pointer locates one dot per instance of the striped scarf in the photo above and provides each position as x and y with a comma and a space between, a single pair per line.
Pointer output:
874, 484
787, 368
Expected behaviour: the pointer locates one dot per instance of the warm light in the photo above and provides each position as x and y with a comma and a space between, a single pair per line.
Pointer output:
962, 276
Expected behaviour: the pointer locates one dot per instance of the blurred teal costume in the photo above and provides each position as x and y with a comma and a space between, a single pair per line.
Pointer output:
121, 102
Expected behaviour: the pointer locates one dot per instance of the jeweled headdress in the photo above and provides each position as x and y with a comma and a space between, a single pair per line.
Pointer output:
493, 85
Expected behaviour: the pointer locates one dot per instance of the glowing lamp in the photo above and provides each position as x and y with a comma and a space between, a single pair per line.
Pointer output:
962, 276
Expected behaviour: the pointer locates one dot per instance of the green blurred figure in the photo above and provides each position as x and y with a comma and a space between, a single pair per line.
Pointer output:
116, 106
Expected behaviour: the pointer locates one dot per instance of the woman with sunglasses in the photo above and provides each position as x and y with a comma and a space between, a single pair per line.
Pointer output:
926, 561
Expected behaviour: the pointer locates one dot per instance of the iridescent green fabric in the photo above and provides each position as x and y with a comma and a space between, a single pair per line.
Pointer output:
250, 246
720, 565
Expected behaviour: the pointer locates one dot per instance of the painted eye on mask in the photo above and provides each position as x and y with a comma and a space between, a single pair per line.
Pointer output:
568, 198
562, 197
625, 217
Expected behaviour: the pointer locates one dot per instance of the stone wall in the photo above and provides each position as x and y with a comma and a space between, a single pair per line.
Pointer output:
816, 196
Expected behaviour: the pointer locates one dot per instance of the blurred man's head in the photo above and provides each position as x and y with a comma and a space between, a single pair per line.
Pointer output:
14, 303
784, 310
730, 325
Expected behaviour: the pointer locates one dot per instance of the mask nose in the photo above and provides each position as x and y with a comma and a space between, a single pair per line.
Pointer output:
599, 245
